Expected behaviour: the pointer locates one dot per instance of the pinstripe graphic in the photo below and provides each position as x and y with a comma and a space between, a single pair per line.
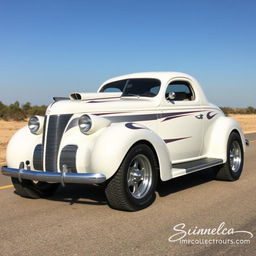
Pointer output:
136, 118
178, 114
133, 126
211, 115
176, 139
109, 113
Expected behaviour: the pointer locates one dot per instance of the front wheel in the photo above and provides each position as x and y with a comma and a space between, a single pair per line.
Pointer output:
233, 167
133, 187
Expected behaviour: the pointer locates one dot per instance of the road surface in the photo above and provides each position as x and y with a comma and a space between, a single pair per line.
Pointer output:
77, 220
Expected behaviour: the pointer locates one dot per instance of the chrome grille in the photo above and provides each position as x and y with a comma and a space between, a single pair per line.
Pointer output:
68, 157
38, 157
55, 130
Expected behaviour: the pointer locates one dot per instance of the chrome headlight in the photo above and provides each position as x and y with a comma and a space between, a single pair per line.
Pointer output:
35, 124
85, 123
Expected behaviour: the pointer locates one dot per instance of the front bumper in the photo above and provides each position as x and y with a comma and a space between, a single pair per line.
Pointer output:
56, 177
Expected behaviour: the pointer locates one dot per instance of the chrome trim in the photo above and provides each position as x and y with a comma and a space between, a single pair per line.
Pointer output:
204, 166
60, 98
57, 177
139, 176
38, 157
55, 129
68, 158
235, 156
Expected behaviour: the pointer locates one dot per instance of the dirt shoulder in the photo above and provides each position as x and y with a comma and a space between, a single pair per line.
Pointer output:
7, 129
247, 122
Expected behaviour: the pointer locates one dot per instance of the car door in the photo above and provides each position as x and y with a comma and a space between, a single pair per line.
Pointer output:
181, 121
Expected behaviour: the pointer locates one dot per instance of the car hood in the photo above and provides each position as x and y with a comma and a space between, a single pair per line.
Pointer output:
101, 105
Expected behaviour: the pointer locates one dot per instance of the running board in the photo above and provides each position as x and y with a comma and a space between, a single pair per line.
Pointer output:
194, 166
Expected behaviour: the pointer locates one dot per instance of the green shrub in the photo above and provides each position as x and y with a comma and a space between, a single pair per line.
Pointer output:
19, 113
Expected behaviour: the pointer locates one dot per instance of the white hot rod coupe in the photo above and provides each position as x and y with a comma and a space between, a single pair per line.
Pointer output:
136, 130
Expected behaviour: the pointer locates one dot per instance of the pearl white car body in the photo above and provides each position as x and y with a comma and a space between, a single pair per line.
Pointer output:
185, 135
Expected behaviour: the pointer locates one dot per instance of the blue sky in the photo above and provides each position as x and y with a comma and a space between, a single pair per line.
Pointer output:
51, 48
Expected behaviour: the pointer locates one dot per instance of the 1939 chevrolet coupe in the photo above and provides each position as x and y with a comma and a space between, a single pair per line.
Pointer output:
135, 130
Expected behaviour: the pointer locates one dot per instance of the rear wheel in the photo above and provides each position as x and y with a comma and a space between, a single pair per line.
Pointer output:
233, 167
133, 186
32, 189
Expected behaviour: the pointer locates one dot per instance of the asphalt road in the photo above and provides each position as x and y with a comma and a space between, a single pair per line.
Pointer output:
77, 220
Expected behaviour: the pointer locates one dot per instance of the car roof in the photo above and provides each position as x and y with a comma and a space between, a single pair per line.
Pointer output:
163, 75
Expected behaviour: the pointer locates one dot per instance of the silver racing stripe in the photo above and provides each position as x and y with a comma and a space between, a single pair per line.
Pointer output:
137, 118
119, 119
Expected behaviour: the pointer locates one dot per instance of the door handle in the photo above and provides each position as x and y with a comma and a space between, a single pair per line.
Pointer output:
199, 116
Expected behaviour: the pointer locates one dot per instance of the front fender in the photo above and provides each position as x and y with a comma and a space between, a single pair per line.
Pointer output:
21, 147
216, 138
115, 141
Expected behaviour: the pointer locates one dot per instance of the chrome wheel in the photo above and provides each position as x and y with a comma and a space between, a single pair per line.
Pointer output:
233, 167
133, 186
235, 156
139, 176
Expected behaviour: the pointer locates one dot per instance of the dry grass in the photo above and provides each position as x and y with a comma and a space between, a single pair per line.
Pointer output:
8, 128
247, 121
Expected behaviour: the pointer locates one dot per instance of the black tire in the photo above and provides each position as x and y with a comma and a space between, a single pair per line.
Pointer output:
225, 171
30, 189
119, 195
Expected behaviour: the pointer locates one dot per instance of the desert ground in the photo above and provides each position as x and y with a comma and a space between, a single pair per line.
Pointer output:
8, 128
247, 122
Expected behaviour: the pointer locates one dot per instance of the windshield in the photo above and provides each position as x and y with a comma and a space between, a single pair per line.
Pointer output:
145, 87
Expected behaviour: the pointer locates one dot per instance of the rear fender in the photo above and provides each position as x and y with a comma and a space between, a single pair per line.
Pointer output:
216, 138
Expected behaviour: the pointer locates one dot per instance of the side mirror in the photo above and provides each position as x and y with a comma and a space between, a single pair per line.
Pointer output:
171, 96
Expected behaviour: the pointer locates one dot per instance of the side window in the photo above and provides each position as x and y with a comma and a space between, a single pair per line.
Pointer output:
179, 91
